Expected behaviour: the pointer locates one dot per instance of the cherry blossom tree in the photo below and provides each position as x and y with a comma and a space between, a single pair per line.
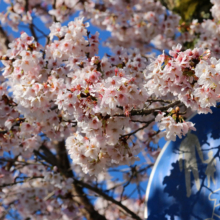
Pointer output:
69, 118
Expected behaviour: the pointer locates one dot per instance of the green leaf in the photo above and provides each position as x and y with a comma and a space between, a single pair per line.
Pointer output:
189, 9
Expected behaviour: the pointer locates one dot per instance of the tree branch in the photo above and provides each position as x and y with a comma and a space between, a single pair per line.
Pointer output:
141, 128
109, 198
149, 111
4, 36
54, 7
63, 164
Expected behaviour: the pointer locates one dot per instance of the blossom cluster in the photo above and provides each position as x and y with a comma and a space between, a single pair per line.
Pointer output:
191, 76
138, 24
173, 129
103, 109
39, 194
67, 85
143, 21
133, 23
22, 11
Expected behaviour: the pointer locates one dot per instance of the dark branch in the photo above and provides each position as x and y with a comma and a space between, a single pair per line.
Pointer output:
149, 111
4, 36
141, 128
109, 198
62, 162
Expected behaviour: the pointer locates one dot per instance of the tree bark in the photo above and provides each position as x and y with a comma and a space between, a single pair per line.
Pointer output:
80, 197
